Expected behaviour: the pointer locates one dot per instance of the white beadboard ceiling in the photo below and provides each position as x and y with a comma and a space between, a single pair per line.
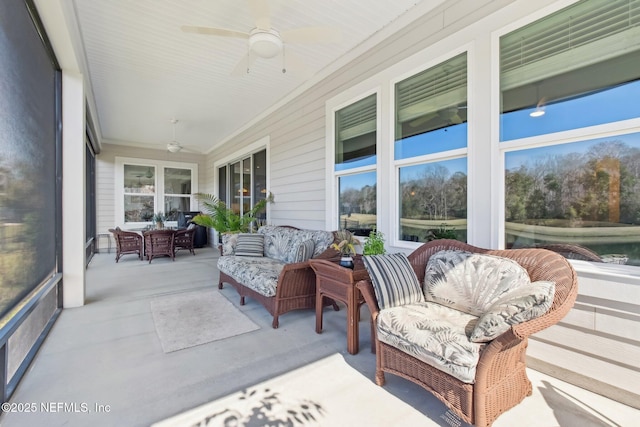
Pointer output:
144, 70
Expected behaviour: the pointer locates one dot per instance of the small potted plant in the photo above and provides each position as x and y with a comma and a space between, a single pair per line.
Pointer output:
374, 245
159, 219
346, 244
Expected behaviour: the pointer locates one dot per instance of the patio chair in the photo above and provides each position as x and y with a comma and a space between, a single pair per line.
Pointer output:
498, 380
159, 243
127, 242
184, 239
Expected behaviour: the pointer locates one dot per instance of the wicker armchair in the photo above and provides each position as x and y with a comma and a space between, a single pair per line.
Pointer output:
127, 242
184, 240
500, 381
159, 243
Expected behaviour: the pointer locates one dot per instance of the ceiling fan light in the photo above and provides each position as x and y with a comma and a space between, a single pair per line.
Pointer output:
538, 112
265, 44
174, 147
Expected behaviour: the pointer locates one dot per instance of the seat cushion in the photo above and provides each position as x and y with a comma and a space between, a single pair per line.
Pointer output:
434, 334
394, 281
258, 273
470, 282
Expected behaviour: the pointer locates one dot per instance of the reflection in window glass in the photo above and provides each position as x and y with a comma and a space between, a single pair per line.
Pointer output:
357, 202
246, 185
236, 187
356, 134
431, 110
176, 181
260, 182
433, 201
138, 208
576, 68
139, 193
222, 184
583, 193
243, 183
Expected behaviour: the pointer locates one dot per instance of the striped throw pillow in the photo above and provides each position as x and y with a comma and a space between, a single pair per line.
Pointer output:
250, 244
394, 281
304, 251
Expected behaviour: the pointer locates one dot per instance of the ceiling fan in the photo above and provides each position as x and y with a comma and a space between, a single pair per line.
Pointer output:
266, 42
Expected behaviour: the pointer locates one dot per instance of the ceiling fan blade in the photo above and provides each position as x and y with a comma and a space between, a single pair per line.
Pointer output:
261, 13
295, 65
243, 65
312, 35
214, 31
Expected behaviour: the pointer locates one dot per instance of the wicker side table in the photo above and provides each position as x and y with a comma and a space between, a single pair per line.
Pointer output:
339, 283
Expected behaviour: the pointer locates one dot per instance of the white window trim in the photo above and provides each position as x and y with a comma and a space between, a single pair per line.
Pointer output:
332, 217
394, 214
159, 166
500, 148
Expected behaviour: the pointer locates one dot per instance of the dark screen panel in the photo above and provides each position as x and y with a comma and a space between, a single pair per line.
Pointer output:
28, 138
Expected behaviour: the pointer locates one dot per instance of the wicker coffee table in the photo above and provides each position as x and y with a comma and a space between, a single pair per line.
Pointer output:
339, 283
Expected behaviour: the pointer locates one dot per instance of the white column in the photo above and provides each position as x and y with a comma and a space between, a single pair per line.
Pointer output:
73, 190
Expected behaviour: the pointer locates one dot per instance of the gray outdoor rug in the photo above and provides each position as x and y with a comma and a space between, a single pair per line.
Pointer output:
192, 318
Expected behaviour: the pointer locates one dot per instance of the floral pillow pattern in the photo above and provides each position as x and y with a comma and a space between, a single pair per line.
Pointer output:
470, 282
435, 334
515, 306
282, 243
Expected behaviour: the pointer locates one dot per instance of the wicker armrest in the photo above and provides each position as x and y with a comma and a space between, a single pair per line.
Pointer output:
366, 289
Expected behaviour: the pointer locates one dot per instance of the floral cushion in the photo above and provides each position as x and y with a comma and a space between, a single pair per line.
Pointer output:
282, 243
515, 306
470, 282
258, 273
435, 334
229, 242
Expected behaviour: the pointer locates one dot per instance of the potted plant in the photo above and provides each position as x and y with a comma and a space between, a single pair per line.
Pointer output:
159, 219
346, 244
374, 245
441, 232
223, 219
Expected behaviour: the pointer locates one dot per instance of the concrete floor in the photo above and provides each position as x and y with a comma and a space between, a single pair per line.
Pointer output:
106, 356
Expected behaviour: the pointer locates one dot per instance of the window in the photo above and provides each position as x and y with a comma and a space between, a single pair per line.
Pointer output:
356, 134
177, 192
150, 187
357, 202
430, 152
576, 69
139, 195
586, 193
355, 165
242, 183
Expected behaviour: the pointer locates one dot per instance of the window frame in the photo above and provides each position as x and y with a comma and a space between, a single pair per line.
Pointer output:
159, 195
502, 147
241, 154
394, 233
332, 218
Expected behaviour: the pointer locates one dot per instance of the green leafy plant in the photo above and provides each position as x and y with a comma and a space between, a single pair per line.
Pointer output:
346, 243
223, 219
441, 232
158, 217
374, 245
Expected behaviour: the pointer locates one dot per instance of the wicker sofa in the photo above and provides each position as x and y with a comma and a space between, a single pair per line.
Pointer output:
273, 267
496, 380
